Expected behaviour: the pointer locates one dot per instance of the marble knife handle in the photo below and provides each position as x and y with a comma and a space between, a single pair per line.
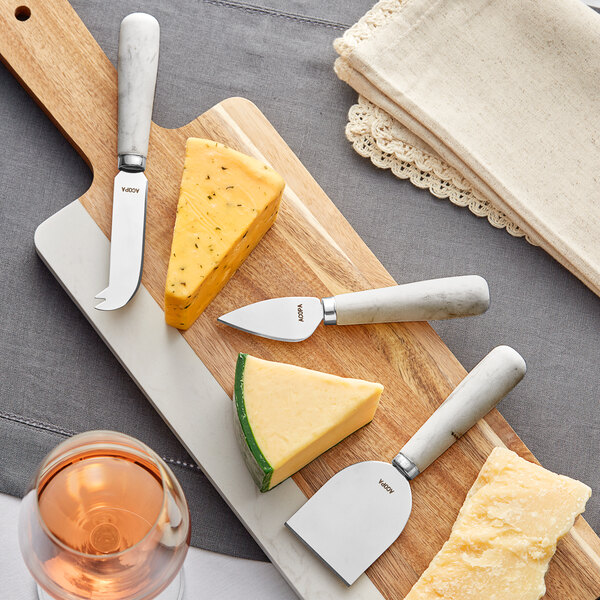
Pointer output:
479, 392
138, 65
430, 300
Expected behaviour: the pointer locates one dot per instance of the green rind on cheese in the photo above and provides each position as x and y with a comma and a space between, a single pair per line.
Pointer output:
258, 465
288, 415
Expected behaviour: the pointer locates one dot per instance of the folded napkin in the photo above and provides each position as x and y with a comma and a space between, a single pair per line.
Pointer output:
494, 104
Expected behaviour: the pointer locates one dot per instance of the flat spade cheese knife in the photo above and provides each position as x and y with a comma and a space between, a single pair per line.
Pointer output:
138, 65
295, 318
361, 510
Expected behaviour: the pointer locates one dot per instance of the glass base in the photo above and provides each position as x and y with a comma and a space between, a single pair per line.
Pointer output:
174, 591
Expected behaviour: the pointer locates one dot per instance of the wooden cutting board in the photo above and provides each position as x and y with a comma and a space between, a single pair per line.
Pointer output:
311, 250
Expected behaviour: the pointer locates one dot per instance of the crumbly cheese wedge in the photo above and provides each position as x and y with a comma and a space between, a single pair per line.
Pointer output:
227, 202
288, 415
505, 534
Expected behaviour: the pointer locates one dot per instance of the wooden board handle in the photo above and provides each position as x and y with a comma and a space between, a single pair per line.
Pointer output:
50, 51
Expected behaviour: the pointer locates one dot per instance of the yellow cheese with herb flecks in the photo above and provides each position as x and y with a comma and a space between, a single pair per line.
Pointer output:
505, 534
227, 202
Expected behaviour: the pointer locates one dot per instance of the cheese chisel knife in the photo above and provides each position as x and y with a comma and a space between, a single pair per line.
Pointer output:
360, 511
296, 318
138, 65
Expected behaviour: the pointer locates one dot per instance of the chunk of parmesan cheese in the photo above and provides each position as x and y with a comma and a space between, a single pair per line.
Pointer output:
505, 533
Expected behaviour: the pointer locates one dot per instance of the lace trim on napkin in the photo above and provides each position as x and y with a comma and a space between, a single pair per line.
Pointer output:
376, 135
379, 15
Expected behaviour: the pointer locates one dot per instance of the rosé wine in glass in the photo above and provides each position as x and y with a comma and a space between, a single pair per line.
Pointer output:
105, 519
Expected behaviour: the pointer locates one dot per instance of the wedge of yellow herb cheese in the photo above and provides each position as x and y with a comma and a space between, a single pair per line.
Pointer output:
505, 534
288, 415
227, 202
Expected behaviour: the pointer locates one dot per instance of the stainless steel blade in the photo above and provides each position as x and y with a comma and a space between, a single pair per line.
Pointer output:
126, 240
291, 319
355, 517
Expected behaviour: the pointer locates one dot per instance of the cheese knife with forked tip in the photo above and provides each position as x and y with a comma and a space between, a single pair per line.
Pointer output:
138, 65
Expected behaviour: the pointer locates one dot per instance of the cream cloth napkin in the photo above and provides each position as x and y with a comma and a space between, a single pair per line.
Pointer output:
494, 103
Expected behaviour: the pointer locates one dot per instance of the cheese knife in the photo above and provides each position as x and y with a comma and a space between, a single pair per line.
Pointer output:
360, 511
137, 69
294, 319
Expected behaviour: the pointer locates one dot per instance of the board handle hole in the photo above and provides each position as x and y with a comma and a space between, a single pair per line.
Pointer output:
22, 13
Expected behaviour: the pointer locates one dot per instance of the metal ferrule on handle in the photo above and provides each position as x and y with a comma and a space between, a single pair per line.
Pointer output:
406, 466
138, 66
134, 163
479, 392
435, 299
329, 312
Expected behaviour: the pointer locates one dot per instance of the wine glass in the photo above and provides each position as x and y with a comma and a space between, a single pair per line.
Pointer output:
105, 519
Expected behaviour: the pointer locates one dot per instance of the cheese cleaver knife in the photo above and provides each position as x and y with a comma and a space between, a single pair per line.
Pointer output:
295, 318
360, 511
137, 69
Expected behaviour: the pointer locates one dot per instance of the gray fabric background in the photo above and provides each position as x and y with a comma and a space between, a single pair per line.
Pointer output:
57, 377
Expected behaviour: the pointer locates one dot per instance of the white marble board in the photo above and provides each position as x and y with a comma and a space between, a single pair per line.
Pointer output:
188, 398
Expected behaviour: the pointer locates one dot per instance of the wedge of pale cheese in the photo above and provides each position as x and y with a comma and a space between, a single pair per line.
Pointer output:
505, 534
227, 202
287, 416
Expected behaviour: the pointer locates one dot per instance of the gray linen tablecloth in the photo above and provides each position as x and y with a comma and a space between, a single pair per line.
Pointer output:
58, 378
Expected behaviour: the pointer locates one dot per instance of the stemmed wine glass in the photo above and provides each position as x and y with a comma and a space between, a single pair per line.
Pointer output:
105, 519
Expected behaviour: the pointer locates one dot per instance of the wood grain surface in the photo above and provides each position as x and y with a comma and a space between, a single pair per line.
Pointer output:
311, 250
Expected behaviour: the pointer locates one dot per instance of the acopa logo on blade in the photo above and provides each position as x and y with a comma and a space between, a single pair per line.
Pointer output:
385, 486
130, 189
